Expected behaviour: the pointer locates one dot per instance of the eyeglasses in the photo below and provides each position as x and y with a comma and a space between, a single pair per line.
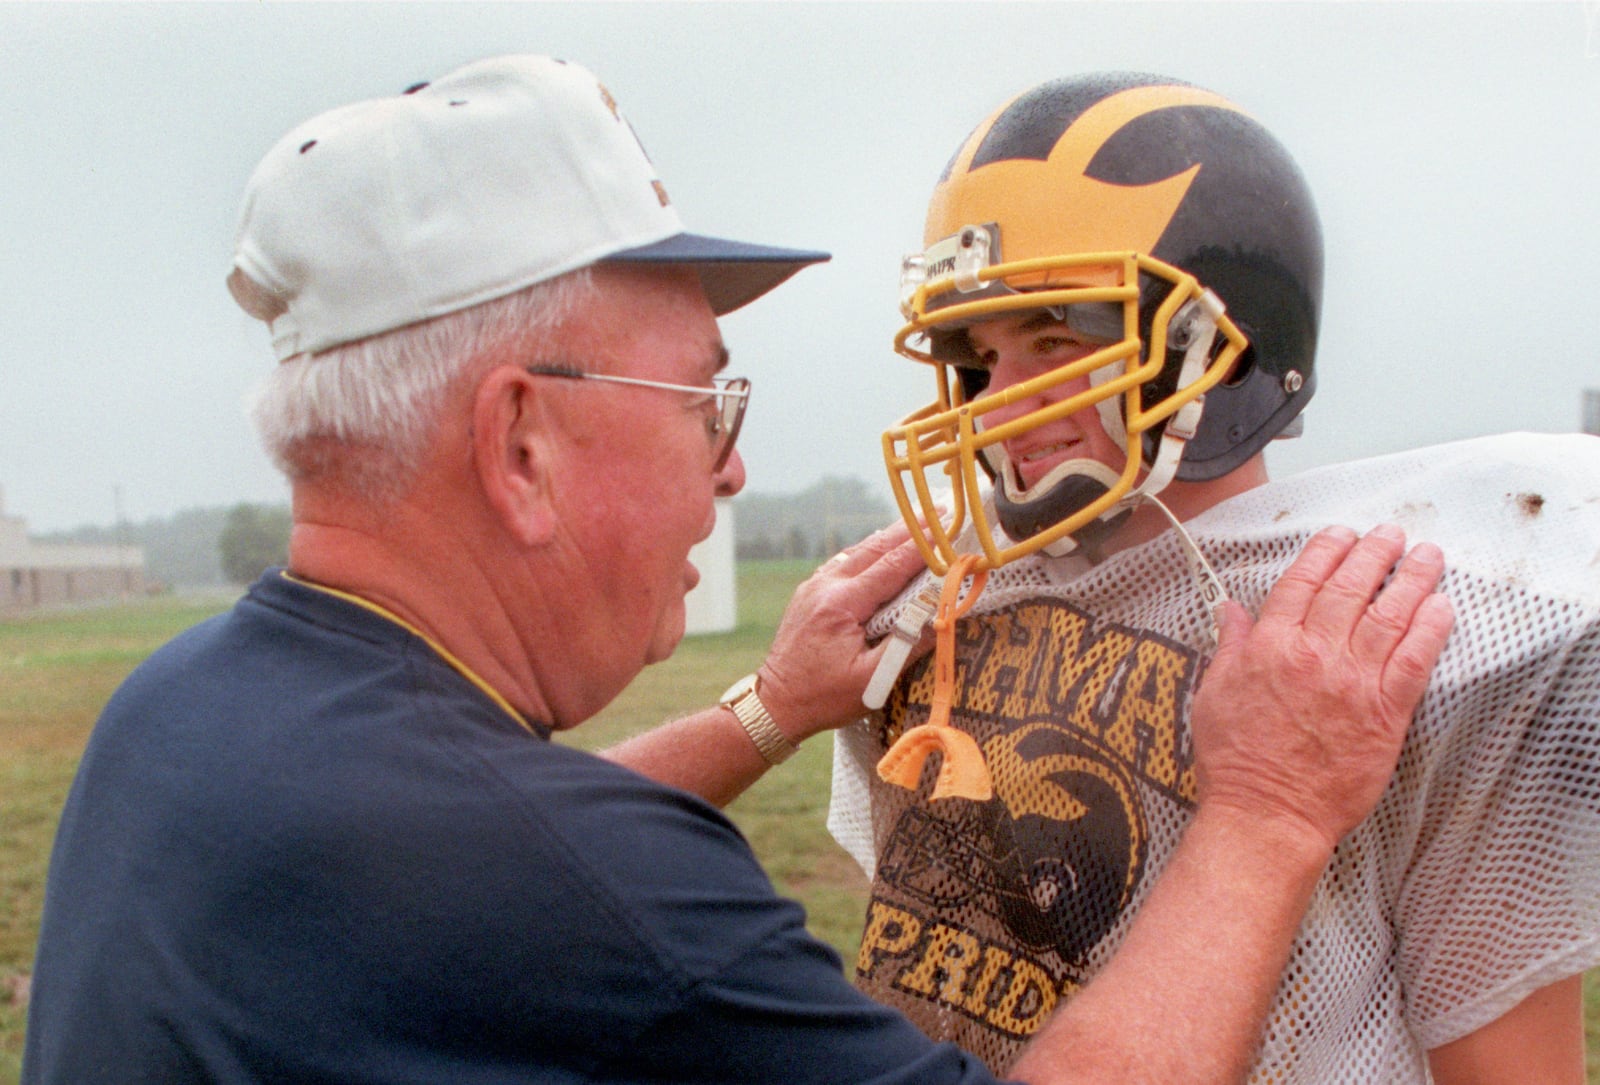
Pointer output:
722, 428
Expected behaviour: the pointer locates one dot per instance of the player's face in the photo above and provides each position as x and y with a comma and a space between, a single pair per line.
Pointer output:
1018, 347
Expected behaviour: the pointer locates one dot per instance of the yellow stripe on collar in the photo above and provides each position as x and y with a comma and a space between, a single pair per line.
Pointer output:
444, 653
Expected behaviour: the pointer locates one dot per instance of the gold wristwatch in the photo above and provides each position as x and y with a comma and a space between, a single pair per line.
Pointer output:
743, 701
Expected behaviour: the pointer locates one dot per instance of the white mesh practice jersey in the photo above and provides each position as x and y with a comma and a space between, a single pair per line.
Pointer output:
1475, 881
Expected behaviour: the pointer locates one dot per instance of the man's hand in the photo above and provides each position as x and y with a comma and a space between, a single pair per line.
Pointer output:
1301, 714
1297, 726
820, 662
811, 681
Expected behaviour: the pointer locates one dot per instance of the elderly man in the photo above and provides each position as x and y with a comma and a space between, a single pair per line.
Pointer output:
324, 837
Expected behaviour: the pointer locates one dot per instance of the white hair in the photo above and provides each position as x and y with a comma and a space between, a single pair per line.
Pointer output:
362, 415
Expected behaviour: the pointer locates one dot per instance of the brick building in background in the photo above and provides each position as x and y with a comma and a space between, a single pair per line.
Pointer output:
37, 576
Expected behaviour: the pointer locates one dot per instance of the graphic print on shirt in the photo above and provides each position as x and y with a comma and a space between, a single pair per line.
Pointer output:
990, 910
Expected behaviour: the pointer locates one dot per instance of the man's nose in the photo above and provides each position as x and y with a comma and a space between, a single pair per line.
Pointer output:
730, 480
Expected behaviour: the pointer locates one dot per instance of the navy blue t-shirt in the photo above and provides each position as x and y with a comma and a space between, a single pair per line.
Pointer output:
302, 848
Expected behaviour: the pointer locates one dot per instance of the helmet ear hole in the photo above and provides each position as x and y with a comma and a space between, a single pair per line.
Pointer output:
1242, 366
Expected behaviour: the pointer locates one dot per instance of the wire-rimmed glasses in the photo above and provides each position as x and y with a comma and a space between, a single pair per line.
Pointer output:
722, 427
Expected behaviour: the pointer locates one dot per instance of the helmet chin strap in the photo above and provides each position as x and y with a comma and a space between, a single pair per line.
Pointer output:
1068, 487
1194, 330
1206, 580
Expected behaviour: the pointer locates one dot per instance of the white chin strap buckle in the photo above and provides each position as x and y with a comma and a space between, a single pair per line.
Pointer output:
902, 638
1194, 329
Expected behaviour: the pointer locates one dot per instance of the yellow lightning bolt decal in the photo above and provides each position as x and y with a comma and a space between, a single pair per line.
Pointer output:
1069, 212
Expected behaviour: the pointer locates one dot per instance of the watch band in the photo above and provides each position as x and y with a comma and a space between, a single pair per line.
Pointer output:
745, 704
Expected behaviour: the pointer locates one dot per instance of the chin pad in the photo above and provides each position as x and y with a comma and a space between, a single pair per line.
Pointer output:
1068, 488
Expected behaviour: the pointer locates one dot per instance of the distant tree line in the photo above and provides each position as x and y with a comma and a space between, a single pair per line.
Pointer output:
212, 547
254, 539
813, 523
200, 548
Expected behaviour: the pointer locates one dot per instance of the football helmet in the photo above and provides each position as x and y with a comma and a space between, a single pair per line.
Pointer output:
1171, 231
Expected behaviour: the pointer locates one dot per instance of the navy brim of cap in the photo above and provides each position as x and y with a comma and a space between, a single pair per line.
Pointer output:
733, 273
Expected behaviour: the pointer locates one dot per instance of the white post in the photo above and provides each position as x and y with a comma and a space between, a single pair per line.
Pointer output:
713, 605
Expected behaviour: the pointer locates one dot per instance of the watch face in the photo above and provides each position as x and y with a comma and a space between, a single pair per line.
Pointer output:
738, 689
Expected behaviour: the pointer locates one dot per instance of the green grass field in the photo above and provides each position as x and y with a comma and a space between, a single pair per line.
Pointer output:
56, 672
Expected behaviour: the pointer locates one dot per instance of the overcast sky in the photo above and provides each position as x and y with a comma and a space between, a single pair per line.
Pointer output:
1454, 151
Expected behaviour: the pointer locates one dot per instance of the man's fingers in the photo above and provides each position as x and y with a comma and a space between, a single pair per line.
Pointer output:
1342, 602
1390, 615
1233, 628
884, 560
1406, 677
861, 578
1291, 598
853, 559
1323, 686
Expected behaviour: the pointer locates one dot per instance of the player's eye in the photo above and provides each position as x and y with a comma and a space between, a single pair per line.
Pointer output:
1055, 344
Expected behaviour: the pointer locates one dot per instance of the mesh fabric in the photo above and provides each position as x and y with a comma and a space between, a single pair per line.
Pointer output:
1474, 882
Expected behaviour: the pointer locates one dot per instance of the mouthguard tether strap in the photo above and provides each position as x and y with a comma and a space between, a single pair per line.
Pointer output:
962, 773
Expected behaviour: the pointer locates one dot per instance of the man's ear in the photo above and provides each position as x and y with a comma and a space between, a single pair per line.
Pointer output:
512, 446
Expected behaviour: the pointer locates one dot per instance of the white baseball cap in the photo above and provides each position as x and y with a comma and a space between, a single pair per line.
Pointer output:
505, 173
